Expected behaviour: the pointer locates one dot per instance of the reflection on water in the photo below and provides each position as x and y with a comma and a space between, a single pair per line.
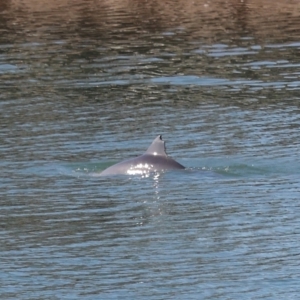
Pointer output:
87, 84
90, 44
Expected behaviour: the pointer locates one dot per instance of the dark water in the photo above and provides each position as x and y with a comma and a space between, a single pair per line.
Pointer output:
89, 84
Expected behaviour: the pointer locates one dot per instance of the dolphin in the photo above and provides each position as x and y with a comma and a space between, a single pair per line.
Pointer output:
155, 159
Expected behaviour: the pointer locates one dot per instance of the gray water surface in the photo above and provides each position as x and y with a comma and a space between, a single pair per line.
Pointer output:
88, 85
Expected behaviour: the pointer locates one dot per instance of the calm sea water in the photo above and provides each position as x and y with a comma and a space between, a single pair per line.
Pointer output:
87, 85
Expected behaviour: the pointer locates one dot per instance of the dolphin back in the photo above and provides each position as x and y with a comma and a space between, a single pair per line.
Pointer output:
155, 159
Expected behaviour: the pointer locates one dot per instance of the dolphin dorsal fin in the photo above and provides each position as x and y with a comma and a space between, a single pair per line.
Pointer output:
157, 147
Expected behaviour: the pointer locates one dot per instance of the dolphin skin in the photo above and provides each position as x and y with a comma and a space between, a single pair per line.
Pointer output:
155, 159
